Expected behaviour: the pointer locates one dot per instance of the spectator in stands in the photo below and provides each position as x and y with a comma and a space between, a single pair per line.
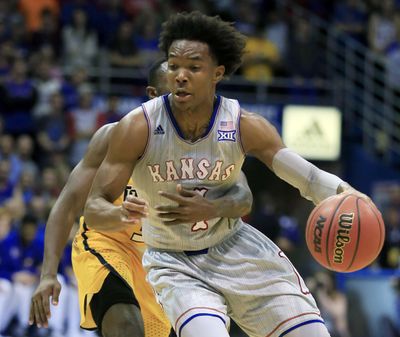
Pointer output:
8, 266
46, 54
304, 56
261, 58
80, 42
392, 69
8, 152
264, 216
70, 87
146, 37
4, 61
320, 8
52, 133
289, 234
50, 185
90, 8
351, 17
19, 36
30, 250
122, 51
27, 185
83, 122
111, 17
383, 26
8, 13
277, 31
373, 5
134, 7
246, 17
280, 228
25, 150
46, 85
48, 34
391, 325
112, 113
32, 12
18, 96
331, 302
10, 194
390, 255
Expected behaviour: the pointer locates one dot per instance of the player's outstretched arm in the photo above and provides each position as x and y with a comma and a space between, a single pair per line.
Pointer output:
193, 207
127, 143
261, 140
67, 208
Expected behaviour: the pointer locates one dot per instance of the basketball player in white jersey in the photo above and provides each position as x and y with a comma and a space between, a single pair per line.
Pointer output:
107, 303
206, 270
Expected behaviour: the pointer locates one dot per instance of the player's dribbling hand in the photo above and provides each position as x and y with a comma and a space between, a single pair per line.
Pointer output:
345, 188
191, 207
40, 303
133, 209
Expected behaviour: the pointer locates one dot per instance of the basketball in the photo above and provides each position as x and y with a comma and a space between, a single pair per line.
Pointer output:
345, 233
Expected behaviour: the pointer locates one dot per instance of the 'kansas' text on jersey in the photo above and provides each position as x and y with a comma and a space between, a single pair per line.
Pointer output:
211, 165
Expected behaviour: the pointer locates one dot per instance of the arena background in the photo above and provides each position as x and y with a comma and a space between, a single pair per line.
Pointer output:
324, 72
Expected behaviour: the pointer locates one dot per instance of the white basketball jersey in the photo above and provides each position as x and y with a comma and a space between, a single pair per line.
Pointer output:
210, 165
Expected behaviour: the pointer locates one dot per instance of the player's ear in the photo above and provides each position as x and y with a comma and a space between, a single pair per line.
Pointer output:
219, 73
151, 92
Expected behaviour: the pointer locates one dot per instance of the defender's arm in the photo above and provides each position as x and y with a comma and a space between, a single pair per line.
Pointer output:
192, 206
66, 209
237, 202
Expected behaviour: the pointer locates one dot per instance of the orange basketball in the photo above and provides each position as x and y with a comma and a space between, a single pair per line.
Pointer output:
344, 233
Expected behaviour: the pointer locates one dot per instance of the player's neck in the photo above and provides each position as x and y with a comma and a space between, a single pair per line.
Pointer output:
194, 121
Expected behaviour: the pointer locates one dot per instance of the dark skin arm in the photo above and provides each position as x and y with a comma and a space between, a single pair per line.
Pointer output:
67, 208
193, 207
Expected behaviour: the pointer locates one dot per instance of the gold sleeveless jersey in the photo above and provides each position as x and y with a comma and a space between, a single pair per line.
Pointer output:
95, 254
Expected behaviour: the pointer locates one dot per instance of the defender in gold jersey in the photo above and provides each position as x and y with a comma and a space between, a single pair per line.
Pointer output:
114, 296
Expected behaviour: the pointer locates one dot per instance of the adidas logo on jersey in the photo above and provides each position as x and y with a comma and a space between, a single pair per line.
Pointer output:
159, 130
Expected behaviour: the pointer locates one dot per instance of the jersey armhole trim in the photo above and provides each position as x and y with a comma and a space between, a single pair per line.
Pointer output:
239, 131
146, 115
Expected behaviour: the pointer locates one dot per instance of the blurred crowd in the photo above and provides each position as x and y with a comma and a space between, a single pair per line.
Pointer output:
49, 111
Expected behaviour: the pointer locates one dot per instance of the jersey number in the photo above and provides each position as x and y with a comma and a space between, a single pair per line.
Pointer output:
137, 235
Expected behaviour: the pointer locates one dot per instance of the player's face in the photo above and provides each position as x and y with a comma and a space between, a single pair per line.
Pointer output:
192, 72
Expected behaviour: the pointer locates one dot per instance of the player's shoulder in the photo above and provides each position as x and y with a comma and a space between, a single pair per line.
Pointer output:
102, 134
132, 120
104, 130
251, 122
249, 117
133, 124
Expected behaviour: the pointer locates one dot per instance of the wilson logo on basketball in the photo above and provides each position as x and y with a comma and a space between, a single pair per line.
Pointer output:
318, 233
342, 235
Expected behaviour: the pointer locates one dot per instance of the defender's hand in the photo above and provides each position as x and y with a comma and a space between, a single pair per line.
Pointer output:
133, 209
40, 304
192, 207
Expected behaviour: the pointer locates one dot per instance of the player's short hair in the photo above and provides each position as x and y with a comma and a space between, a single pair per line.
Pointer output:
225, 42
154, 72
